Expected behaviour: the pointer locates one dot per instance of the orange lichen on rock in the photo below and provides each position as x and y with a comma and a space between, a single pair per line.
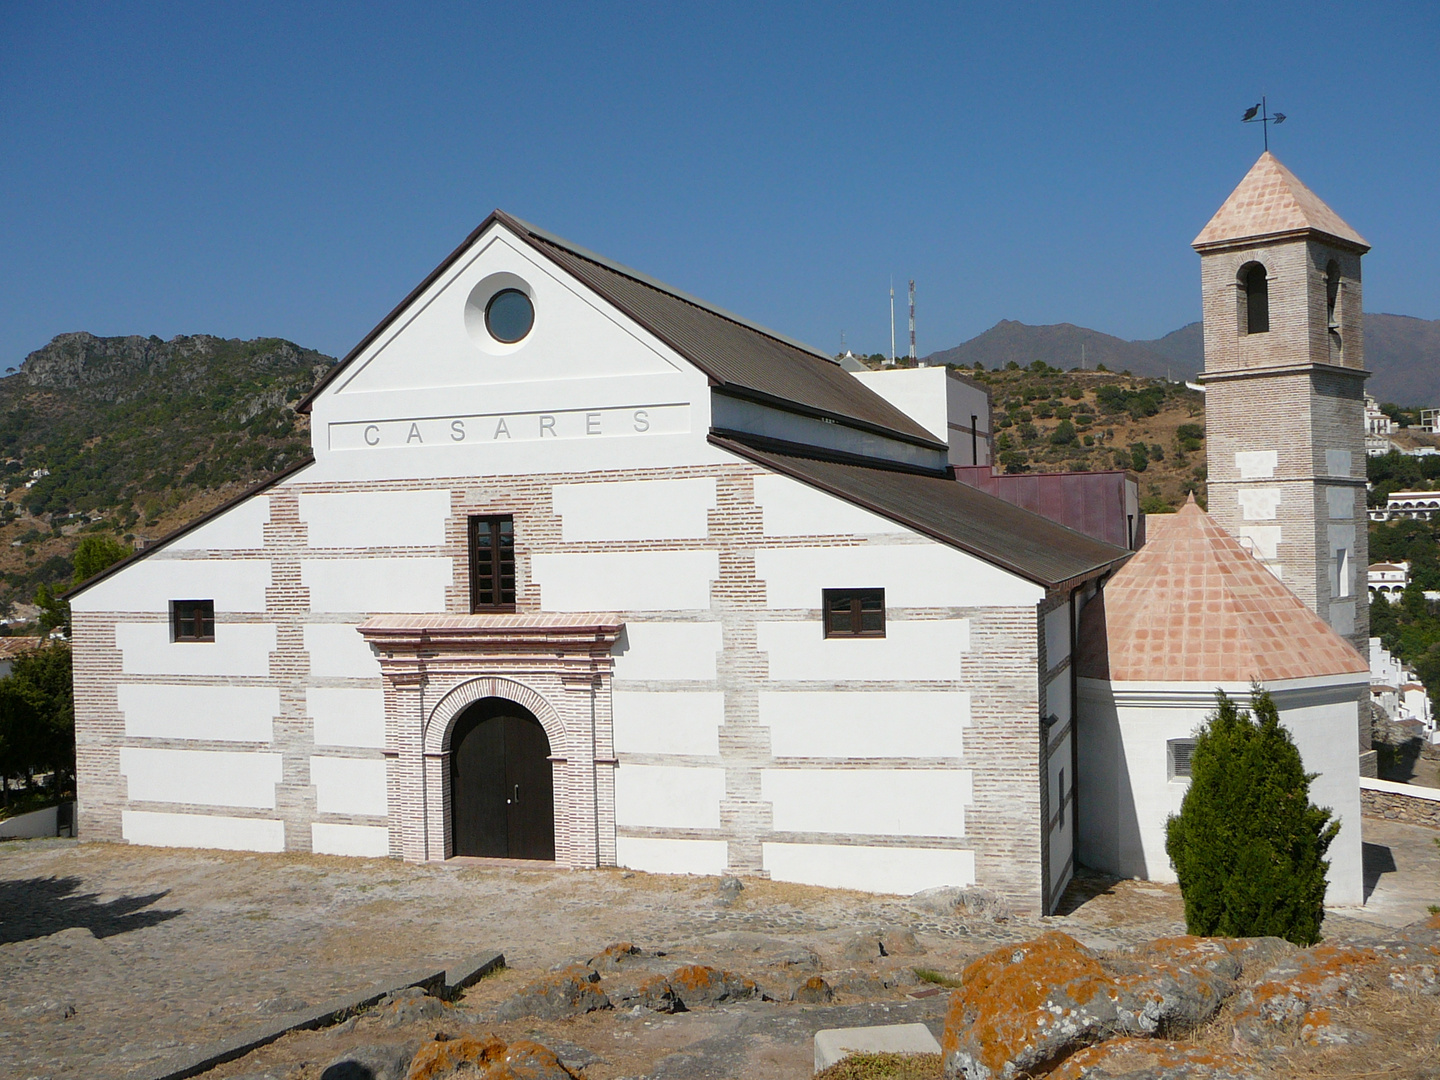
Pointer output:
1294, 989
1020, 1009
486, 1058
1123, 1057
700, 984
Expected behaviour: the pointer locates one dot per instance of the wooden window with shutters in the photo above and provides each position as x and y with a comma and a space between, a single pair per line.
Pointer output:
492, 563
192, 620
854, 613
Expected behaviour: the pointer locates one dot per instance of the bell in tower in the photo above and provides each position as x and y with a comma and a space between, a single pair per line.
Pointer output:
1284, 377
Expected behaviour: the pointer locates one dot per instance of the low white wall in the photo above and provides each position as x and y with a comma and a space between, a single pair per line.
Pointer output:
30, 826
1125, 793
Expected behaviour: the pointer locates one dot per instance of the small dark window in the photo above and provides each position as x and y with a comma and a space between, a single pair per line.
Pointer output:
192, 620
1257, 299
1180, 751
509, 316
492, 563
854, 612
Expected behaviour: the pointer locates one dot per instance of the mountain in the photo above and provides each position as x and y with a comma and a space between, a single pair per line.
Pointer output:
134, 435
1403, 353
1062, 345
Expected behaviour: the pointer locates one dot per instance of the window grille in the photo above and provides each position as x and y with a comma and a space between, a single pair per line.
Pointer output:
192, 620
1180, 753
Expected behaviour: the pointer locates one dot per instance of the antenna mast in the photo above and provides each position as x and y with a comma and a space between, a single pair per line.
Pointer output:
892, 322
912, 320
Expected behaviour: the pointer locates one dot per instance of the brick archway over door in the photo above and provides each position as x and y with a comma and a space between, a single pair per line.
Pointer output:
557, 666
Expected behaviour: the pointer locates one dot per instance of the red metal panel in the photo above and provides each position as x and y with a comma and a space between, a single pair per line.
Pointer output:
1089, 502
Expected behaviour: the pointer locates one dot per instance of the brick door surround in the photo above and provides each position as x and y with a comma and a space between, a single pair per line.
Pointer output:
556, 666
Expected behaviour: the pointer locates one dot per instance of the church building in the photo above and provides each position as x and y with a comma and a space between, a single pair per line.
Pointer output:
585, 569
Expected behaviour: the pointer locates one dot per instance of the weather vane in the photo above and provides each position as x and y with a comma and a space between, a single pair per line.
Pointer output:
1260, 114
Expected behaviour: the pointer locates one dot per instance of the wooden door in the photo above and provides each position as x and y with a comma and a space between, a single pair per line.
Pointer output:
502, 793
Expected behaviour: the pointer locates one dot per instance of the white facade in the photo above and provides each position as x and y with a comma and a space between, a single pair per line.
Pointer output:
950, 406
1389, 580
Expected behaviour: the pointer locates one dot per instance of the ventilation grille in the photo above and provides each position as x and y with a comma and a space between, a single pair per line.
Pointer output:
1180, 752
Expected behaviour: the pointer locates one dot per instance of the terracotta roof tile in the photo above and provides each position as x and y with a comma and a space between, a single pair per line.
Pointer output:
1271, 201
1193, 606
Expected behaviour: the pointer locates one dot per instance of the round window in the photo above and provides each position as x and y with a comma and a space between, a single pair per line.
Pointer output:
509, 315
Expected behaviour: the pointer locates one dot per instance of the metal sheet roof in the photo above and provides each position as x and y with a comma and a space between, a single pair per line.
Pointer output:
942, 508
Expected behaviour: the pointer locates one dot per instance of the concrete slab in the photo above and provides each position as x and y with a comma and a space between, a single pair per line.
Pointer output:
835, 1043
1402, 867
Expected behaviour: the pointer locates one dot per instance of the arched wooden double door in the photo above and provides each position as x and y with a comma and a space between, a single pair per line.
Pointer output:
502, 789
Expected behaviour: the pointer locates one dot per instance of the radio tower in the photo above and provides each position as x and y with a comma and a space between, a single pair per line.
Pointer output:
912, 320
892, 322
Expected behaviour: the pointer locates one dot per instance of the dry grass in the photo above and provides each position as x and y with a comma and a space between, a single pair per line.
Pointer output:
930, 975
884, 1067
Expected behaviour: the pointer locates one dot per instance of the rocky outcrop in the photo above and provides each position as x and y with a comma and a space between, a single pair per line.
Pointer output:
1022, 1009
1051, 1007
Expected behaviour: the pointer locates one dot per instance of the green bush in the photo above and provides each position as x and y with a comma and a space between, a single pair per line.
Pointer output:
1248, 845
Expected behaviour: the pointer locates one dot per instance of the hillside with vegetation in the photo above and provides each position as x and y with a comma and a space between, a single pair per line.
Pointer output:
129, 437
1050, 420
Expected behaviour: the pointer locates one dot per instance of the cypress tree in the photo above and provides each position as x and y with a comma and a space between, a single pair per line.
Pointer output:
1248, 845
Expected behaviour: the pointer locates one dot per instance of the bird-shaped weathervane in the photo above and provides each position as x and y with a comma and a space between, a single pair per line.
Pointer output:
1260, 114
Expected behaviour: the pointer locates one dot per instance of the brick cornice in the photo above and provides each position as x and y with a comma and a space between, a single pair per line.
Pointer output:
414, 648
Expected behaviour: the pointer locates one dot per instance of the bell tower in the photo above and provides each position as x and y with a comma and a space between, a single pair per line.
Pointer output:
1284, 377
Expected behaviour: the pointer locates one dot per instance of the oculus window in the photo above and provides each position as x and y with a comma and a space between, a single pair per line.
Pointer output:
492, 563
854, 613
509, 316
192, 620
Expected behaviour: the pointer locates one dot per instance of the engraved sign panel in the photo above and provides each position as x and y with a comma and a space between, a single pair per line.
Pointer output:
486, 428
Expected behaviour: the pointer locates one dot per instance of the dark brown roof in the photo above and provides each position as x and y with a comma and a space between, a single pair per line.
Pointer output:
738, 356
940, 507
228, 504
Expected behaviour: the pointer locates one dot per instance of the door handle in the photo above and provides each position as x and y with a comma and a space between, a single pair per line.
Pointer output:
517, 794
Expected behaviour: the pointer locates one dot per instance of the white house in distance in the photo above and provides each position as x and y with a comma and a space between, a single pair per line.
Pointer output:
1389, 580
586, 569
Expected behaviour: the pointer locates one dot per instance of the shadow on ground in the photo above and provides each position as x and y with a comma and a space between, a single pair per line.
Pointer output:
38, 907
1376, 859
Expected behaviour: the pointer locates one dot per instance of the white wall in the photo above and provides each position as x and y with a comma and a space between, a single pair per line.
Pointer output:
365, 841
238, 649
894, 870
662, 651
868, 802
667, 722
668, 796
242, 527
917, 575
187, 711
201, 831
662, 856
635, 509
791, 508
349, 785
375, 518
415, 585
338, 651
930, 649
874, 724
626, 581
347, 716
150, 584
200, 777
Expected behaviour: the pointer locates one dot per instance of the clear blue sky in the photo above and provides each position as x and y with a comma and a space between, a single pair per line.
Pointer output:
252, 169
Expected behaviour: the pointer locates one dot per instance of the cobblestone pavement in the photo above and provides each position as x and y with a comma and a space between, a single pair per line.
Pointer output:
115, 957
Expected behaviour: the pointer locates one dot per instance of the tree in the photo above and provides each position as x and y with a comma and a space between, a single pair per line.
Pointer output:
1248, 845
37, 715
96, 553
54, 612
